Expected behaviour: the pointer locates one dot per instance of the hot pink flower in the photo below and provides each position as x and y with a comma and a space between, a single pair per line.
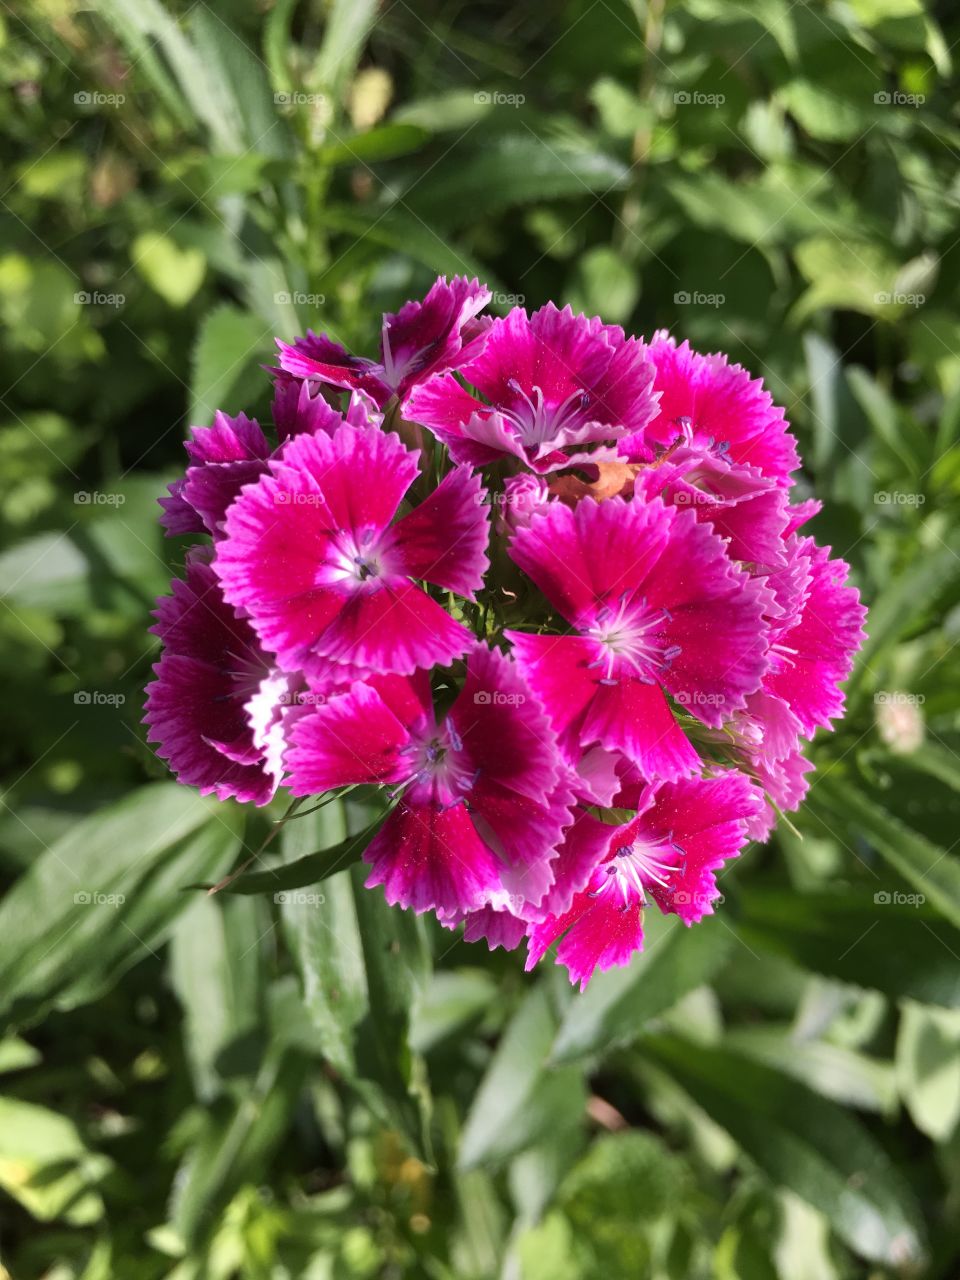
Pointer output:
742, 505
312, 555
223, 458
557, 389
482, 803
682, 833
814, 644
657, 605
438, 333
706, 401
217, 705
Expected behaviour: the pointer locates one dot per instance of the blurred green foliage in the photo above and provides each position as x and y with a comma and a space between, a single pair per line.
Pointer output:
205, 1088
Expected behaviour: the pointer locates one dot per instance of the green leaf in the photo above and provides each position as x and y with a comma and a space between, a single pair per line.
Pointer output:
105, 891
215, 969
449, 1002
361, 964
237, 82
613, 1010
308, 870
229, 346
926, 866
348, 27
15, 1054
237, 1141
906, 600
175, 273
850, 1078
803, 1143
383, 143
928, 1049
844, 272
404, 233
855, 938
46, 1166
520, 1098
615, 1193
510, 170
605, 285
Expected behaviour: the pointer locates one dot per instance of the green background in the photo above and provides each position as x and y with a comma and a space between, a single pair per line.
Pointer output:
232, 1086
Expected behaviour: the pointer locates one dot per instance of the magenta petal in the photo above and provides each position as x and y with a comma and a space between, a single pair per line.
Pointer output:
558, 670
636, 719
429, 858
580, 558
711, 401
504, 731
289, 540
211, 489
357, 475
301, 407
496, 928
190, 706
424, 337
596, 778
179, 517
598, 935
705, 818
585, 844
444, 540
603, 938
816, 654
268, 564
716, 622
354, 738
395, 627
238, 439
319, 357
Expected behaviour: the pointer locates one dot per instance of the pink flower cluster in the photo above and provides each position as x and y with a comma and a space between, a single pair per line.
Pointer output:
586, 705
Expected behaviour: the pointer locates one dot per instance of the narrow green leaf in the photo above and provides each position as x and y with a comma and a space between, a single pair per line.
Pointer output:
348, 26
310, 869
520, 1098
511, 170
930, 869
230, 345
62, 923
804, 1143
904, 602
928, 1048
866, 939
616, 1005
383, 143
